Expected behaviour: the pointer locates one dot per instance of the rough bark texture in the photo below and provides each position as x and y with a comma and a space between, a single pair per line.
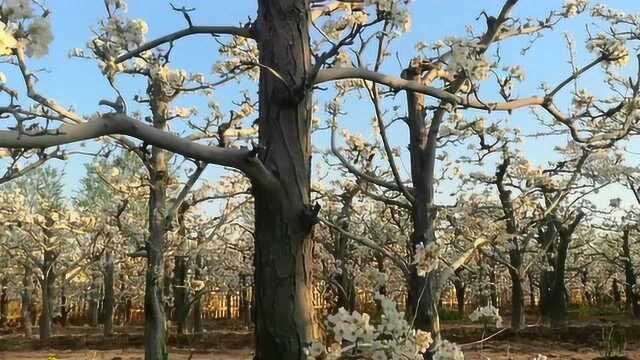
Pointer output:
197, 304
26, 298
4, 303
47, 283
109, 300
245, 301
518, 320
181, 302
559, 293
553, 292
546, 237
532, 290
94, 298
345, 288
633, 303
461, 289
516, 252
154, 314
423, 292
64, 308
283, 263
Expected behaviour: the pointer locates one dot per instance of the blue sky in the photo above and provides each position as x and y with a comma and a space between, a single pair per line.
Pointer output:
78, 83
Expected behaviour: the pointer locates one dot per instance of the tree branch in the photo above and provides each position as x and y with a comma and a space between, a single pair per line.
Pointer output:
192, 30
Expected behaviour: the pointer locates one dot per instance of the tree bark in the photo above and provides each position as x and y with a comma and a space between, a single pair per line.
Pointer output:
345, 288
154, 312
283, 215
532, 290
47, 283
197, 303
493, 287
4, 303
64, 307
633, 303
423, 292
109, 301
518, 320
27, 300
558, 298
180, 293
94, 299
461, 289
245, 301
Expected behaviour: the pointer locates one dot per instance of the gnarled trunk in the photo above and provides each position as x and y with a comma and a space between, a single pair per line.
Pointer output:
283, 215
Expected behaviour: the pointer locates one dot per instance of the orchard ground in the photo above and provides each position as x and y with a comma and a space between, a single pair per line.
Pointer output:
581, 339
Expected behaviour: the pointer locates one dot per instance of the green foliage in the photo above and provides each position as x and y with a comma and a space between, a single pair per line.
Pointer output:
52, 357
613, 343
448, 315
589, 311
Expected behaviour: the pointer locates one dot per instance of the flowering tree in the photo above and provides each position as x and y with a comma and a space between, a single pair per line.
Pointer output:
41, 231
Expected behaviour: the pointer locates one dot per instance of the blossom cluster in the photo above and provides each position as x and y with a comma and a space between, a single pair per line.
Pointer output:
239, 54
427, 258
466, 59
22, 27
572, 8
448, 351
390, 338
612, 50
487, 314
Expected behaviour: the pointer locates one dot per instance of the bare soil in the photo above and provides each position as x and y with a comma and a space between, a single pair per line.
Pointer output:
577, 342
492, 350
177, 354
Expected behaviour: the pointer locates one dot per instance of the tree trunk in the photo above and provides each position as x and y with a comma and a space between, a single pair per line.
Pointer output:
633, 303
423, 292
154, 312
558, 296
517, 301
47, 283
493, 287
283, 214
197, 303
586, 293
345, 288
532, 290
4, 303
108, 294
180, 293
64, 307
545, 287
461, 289
517, 290
245, 301
94, 299
26, 298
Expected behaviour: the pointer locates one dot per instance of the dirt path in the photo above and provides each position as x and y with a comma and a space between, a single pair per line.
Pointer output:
492, 351
120, 355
